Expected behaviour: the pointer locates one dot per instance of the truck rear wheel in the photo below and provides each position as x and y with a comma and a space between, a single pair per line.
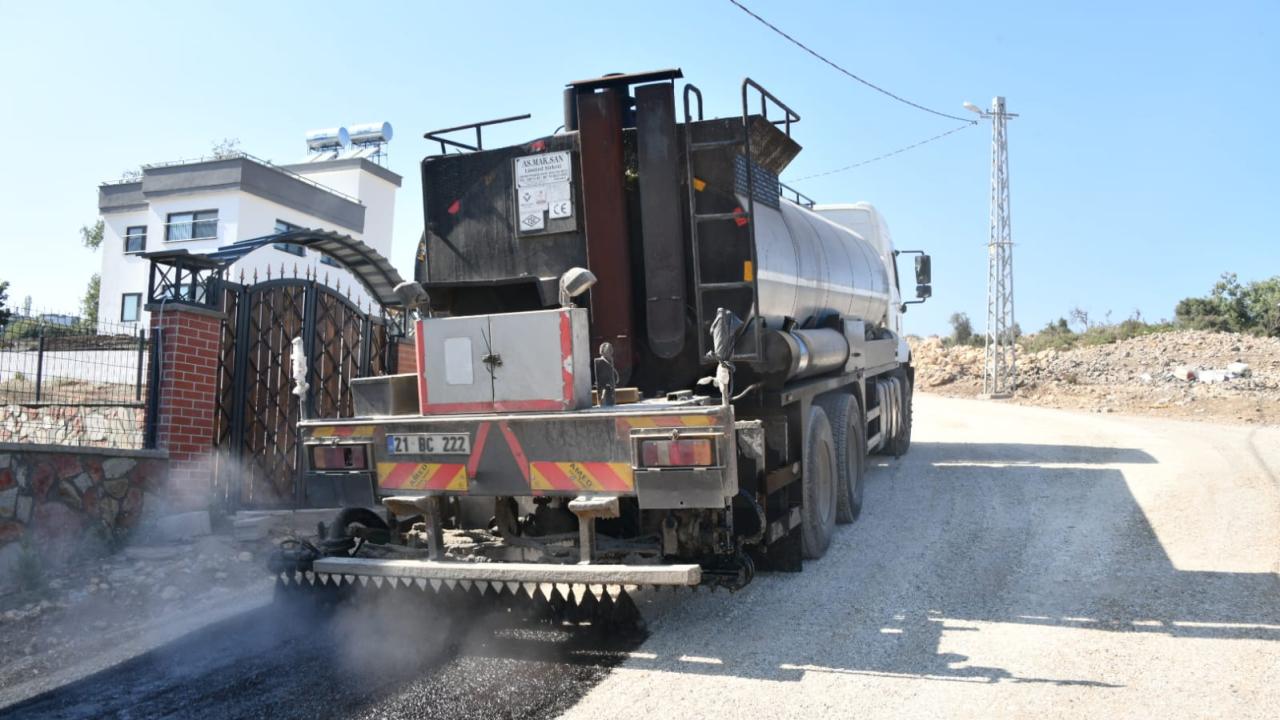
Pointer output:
849, 431
900, 443
818, 509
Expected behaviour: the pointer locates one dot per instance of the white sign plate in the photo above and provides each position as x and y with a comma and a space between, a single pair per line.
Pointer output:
531, 221
543, 169
429, 444
457, 361
532, 198
559, 201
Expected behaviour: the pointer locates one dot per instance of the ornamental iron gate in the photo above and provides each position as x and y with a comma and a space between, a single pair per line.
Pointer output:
257, 453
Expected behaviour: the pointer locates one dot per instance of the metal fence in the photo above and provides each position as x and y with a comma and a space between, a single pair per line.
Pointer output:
65, 380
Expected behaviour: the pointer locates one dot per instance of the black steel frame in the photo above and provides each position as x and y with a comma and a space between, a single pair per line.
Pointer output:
434, 135
255, 389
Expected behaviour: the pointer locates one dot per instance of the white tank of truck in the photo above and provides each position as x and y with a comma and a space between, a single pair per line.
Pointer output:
812, 266
863, 219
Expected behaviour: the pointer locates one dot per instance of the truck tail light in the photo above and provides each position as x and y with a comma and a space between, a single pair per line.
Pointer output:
339, 457
684, 452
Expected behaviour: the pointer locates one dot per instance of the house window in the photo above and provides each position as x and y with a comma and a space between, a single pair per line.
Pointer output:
199, 225
130, 307
292, 249
135, 238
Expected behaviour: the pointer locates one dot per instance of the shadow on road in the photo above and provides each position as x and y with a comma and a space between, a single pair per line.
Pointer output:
959, 539
1028, 454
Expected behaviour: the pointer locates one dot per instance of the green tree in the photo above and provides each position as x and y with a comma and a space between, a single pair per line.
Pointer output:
91, 236
961, 328
1261, 302
89, 304
1233, 307
5, 312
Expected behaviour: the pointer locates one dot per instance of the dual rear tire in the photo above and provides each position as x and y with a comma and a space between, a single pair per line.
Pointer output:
850, 432
833, 465
819, 480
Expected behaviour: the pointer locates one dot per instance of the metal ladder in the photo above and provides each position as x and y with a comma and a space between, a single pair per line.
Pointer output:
746, 219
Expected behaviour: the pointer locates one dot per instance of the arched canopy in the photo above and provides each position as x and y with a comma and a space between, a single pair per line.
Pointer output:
368, 265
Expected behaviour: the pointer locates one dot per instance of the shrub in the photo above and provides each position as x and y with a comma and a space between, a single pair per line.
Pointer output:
1230, 306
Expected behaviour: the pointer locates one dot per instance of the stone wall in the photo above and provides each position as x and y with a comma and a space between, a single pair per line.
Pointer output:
63, 499
88, 426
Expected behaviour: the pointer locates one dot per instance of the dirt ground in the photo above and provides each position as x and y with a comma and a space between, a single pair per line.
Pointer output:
1145, 375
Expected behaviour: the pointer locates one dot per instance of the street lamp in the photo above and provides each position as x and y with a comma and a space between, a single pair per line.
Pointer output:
973, 108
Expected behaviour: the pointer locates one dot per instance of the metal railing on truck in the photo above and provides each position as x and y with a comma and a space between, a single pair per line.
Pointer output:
745, 219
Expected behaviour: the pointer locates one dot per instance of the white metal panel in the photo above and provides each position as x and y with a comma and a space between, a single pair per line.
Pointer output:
538, 360
454, 349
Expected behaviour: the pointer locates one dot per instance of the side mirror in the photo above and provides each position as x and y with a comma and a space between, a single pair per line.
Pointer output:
924, 291
924, 271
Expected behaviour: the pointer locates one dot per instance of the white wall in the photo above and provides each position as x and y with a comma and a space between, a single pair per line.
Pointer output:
378, 196
258, 217
127, 273
122, 273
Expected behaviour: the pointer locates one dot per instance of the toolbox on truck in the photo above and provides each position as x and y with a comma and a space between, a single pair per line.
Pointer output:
514, 362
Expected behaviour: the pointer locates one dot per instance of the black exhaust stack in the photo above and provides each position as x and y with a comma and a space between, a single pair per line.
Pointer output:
661, 218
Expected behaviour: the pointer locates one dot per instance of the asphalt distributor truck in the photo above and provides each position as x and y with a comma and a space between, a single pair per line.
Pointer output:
638, 365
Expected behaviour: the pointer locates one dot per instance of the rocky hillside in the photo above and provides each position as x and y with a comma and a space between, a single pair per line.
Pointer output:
1224, 376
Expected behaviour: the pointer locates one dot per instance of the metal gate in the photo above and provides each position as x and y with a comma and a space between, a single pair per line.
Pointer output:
256, 438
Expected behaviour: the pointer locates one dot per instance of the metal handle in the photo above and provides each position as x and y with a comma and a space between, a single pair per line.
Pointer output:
765, 98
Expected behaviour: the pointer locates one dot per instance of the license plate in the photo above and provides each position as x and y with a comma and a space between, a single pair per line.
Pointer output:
429, 444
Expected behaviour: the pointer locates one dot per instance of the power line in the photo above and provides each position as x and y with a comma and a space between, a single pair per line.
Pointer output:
814, 53
968, 123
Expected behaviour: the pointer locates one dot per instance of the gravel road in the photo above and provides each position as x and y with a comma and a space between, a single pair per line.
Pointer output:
1018, 562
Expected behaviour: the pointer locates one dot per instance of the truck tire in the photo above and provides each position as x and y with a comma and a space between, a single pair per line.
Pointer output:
818, 483
900, 443
849, 431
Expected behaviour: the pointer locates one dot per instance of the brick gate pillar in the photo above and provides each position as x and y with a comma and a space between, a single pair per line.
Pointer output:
406, 356
188, 340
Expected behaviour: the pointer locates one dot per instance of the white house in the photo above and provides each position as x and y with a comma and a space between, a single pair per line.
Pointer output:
206, 204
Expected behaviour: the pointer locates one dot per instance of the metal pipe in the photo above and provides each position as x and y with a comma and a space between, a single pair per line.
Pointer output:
605, 223
570, 109
810, 352
39, 364
137, 384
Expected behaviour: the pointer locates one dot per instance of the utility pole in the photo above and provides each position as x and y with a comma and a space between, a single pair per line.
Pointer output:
1000, 373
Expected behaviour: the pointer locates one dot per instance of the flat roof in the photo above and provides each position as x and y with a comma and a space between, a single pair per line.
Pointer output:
239, 172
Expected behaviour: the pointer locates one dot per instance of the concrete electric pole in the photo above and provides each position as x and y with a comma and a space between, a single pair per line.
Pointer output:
1000, 374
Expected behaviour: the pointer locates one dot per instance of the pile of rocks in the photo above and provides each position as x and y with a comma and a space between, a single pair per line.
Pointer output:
1221, 375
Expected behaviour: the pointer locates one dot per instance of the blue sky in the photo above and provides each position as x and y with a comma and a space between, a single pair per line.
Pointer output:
1145, 162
